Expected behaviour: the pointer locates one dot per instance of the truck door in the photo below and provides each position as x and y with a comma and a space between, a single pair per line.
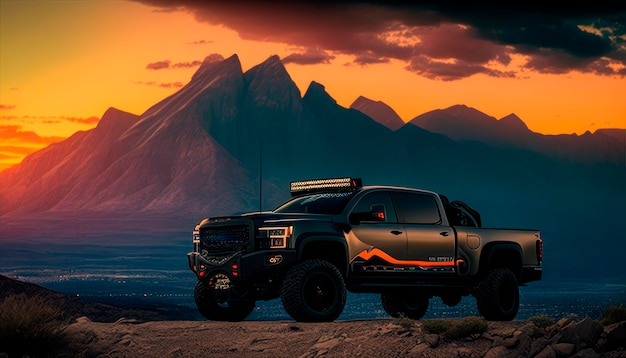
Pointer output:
377, 226
429, 243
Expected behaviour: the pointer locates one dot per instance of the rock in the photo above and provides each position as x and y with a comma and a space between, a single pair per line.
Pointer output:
547, 352
564, 349
537, 346
419, 349
511, 342
583, 334
431, 339
502, 331
464, 353
614, 336
586, 353
496, 352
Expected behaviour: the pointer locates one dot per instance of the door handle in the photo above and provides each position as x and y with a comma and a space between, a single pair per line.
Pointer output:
396, 232
444, 233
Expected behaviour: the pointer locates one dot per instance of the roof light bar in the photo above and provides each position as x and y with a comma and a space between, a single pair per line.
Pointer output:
330, 185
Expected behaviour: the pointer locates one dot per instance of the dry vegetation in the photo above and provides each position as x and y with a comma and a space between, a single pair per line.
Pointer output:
34, 326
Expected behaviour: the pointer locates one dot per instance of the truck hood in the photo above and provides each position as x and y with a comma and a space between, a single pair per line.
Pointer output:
271, 218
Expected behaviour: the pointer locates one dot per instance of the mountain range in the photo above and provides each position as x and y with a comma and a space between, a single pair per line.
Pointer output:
230, 141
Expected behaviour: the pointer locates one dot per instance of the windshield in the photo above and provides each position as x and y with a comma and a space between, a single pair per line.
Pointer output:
326, 203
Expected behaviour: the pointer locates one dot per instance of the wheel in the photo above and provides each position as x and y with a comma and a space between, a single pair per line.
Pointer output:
313, 291
211, 300
451, 300
410, 305
497, 295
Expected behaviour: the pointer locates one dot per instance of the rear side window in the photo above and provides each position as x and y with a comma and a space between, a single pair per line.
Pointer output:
416, 208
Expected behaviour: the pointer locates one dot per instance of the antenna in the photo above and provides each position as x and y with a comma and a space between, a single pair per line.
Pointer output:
260, 176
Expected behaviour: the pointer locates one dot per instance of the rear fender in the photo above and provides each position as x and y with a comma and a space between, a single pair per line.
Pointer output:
501, 254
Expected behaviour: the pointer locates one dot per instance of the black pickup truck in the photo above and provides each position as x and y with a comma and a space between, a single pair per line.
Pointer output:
334, 235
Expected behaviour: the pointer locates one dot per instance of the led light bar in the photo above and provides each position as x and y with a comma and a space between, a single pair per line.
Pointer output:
331, 185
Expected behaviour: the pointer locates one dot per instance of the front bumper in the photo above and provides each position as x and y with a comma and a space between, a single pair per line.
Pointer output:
242, 267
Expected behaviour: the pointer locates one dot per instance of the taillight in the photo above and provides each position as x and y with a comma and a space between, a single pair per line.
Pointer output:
539, 246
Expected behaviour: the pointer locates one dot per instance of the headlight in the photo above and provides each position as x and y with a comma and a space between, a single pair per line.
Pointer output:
274, 237
195, 238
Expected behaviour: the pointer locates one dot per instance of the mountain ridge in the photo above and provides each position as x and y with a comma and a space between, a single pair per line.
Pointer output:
230, 141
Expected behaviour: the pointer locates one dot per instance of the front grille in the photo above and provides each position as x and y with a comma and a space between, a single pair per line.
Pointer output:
231, 238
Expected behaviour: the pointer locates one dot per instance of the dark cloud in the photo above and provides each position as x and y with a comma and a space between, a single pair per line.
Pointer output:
81, 120
162, 85
159, 65
456, 39
165, 64
171, 84
200, 42
309, 57
7, 106
195, 63
369, 58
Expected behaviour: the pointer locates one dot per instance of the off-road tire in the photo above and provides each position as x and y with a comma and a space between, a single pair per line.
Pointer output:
410, 305
218, 310
313, 291
497, 295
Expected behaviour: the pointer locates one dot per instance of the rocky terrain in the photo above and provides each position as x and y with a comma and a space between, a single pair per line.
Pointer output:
379, 338
99, 330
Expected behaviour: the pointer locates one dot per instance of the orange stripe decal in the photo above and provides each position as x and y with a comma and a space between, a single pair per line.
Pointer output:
369, 254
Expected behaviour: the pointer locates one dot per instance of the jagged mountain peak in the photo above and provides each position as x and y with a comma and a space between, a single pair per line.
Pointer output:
513, 122
114, 122
317, 89
379, 111
112, 116
270, 86
217, 62
271, 69
459, 110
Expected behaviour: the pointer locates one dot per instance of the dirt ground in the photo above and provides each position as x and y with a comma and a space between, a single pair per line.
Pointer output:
371, 338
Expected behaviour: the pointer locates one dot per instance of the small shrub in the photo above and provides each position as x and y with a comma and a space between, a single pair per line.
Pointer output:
31, 326
456, 328
613, 314
437, 326
404, 322
543, 325
542, 321
466, 327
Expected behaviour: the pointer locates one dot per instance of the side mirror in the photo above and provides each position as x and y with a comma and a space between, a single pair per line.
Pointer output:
376, 213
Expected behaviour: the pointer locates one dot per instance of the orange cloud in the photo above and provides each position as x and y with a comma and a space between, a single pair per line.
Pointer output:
15, 144
13, 133
6, 106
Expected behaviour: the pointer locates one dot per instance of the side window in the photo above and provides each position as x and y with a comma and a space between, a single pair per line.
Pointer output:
416, 208
377, 200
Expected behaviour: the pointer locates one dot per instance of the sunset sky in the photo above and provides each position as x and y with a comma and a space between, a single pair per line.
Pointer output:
63, 63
